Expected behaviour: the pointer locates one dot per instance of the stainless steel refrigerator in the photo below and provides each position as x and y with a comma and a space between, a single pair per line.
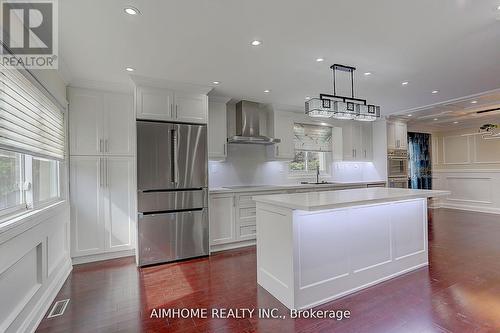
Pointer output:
172, 191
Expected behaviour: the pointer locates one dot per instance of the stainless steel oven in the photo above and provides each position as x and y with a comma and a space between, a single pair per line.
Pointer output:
397, 163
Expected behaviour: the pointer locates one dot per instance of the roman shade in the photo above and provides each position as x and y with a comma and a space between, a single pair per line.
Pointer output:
312, 138
29, 121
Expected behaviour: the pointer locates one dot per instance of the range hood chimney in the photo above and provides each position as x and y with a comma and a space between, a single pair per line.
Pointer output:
248, 126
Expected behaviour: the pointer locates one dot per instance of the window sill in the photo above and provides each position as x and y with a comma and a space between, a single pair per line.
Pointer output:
26, 220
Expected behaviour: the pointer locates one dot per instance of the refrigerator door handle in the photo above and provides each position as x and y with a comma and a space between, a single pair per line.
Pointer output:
173, 155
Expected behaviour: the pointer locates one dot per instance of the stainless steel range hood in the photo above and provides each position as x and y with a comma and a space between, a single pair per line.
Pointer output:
248, 126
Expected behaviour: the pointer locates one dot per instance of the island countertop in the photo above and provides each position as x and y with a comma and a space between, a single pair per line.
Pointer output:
314, 201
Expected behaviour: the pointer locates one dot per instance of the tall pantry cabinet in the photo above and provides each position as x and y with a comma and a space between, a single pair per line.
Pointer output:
102, 174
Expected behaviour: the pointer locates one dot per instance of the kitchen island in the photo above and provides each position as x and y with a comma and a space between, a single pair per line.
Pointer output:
316, 247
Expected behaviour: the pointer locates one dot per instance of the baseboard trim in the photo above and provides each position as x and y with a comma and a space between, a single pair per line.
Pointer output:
34, 318
231, 246
102, 256
478, 209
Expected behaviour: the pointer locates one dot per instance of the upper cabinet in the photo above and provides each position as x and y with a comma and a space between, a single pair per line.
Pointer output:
217, 128
397, 136
357, 139
170, 105
101, 123
281, 127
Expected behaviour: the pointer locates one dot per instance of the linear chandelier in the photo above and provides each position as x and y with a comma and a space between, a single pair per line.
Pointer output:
341, 107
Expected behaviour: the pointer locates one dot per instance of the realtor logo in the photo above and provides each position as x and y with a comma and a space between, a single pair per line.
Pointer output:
29, 34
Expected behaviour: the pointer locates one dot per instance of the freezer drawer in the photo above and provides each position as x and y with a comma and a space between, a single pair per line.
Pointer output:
172, 236
156, 201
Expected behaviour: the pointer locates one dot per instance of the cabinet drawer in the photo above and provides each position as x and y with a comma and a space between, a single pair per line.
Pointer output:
247, 231
246, 200
248, 212
248, 221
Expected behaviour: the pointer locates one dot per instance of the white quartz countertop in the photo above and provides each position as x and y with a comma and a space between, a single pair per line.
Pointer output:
313, 201
259, 188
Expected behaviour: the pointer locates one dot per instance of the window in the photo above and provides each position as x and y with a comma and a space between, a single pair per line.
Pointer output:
26, 182
313, 146
45, 180
32, 143
11, 180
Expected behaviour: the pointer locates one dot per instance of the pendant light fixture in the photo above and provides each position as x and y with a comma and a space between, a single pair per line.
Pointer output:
341, 107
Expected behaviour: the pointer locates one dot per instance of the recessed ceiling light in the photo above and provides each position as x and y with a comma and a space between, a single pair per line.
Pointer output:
404, 83
368, 73
435, 119
129, 69
320, 59
267, 91
455, 122
216, 82
131, 10
435, 91
410, 115
473, 102
498, 8
256, 43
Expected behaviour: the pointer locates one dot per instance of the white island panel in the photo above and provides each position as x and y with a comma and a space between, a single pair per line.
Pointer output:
309, 257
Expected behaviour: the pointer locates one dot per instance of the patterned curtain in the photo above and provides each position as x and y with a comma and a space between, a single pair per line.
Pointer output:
420, 160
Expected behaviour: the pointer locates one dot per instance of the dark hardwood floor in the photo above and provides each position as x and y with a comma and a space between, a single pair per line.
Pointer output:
458, 292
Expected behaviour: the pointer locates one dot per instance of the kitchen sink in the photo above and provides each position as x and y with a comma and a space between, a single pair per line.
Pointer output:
316, 183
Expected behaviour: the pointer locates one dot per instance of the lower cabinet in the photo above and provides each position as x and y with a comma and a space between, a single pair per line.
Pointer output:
221, 216
102, 204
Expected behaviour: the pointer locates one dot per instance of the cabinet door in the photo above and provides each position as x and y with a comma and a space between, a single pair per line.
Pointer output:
85, 122
191, 108
367, 141
222, 221
87, 222
351, 141
283, 129
401, 136
154, 103
119, 199
217, 131
391, 135
120, 124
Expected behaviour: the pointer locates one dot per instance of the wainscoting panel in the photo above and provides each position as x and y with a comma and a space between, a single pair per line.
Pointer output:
34, 264
471, 189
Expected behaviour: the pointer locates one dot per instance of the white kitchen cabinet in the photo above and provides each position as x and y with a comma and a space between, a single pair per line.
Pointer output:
102, 204
397, 135
101, 123
217, 129
357, 141
154, 103
221, 216
119, 203
87, 221
165, 104
367, 141
281, 124
191, 108
85, 122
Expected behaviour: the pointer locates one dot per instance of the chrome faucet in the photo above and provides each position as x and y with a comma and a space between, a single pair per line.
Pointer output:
317, 174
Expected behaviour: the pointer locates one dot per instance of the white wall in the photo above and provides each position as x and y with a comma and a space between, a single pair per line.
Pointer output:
469, 167
35, 261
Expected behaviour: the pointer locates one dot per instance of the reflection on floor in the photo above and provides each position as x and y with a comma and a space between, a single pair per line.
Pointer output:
458, 292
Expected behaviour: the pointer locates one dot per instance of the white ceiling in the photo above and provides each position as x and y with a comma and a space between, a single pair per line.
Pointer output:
449, 45
456, 114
